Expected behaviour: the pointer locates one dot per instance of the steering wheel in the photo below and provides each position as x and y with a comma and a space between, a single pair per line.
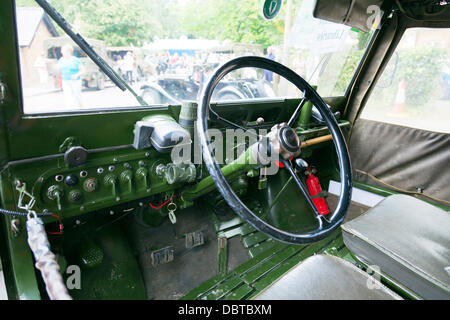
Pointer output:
283, 140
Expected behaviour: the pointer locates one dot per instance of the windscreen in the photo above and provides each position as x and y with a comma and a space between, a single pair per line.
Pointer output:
166, 50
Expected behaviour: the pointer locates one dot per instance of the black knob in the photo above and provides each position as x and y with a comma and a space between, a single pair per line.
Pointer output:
75, 156
71, 180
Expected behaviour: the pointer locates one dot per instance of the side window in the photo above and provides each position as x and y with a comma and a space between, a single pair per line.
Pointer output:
414, 90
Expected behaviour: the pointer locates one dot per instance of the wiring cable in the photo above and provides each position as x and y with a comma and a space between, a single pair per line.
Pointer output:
23, 214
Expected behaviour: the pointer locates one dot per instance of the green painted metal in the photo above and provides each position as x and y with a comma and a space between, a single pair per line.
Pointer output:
259, 272
277, 259
305, 114
387, 192
264, 282
116, 275
188, 115
225, 288
27, 132
244, 163
240, 293
261, 247
40, 176
8, 74
222, 256
253, 239
17, 259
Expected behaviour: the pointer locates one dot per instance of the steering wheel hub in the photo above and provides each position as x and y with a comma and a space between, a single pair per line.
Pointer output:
284, 141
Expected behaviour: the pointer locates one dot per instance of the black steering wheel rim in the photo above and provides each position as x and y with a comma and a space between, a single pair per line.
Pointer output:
326, 227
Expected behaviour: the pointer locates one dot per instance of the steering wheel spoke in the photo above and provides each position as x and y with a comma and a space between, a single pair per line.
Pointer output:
297, 111
301, 186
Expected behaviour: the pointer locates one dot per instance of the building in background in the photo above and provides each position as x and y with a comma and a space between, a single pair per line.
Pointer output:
33, 27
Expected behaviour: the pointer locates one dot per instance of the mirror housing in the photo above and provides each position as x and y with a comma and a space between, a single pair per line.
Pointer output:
354, 13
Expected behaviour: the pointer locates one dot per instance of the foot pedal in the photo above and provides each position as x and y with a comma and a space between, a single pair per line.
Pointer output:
194, 239
162, 256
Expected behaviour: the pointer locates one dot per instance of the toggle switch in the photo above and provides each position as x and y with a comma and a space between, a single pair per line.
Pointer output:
55, 193
111, 180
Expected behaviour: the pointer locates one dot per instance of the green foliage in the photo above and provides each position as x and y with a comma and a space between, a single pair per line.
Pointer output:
26, 3
420, 68
348, 70
352, 61
126, 22
235, 20
118, 23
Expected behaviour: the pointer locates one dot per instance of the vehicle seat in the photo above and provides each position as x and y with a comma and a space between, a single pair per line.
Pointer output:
323, 277
409, 240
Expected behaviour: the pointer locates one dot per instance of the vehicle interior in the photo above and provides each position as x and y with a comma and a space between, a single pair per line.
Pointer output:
326, 191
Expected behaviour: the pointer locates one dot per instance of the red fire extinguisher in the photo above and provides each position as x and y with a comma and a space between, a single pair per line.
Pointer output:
314, 188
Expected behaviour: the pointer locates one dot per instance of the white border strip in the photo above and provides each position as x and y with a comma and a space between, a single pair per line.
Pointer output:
360, 196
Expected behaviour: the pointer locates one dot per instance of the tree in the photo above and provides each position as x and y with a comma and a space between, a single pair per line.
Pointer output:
126, 22
118, 23
235, 20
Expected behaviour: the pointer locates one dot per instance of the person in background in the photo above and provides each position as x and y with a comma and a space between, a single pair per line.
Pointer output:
119, 65
128, 65
268, 75
174, 59
71, 70
41, 65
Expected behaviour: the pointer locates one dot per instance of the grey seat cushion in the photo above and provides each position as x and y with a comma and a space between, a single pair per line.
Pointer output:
409, 240
326, 278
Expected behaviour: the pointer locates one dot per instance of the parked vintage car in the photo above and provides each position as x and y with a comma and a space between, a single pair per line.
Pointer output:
175, 85
174, 88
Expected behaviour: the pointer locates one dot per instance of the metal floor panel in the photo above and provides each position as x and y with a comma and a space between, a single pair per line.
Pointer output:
250, 278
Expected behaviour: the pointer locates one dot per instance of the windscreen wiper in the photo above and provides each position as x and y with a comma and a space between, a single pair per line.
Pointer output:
82, 43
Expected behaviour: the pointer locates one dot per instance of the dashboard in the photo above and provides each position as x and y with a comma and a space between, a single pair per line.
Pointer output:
109, 176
